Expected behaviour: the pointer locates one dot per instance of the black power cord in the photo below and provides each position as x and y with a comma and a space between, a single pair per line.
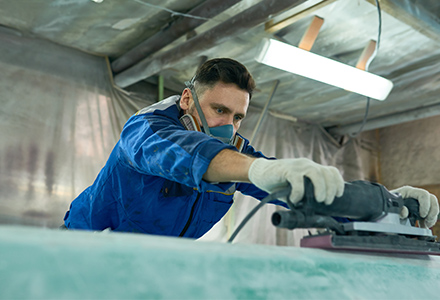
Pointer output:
364, 121
284, 192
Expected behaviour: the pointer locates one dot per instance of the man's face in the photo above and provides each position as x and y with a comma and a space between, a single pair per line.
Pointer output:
224, 104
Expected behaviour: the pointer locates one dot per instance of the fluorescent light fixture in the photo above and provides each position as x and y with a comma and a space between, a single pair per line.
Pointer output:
295, 60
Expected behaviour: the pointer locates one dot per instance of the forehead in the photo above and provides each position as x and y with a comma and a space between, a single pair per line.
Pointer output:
227, 94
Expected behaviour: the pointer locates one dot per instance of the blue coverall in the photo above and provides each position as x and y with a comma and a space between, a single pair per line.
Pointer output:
152, 182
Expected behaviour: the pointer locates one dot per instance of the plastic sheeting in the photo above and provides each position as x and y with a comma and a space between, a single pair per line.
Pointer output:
61, 116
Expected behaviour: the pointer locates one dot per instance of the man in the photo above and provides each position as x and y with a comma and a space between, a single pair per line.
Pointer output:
178, 163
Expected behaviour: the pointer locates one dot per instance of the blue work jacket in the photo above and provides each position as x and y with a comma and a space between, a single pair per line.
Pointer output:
152, 182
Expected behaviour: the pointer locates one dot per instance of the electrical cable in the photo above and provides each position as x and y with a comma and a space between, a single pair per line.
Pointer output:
284, 192
364, 121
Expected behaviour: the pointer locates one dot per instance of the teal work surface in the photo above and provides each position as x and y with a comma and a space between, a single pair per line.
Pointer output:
40, 263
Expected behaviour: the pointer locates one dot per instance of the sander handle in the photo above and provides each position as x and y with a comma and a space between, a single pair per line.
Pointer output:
413, 210
361, 201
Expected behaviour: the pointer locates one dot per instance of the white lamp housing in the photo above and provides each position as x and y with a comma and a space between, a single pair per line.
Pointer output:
295, 60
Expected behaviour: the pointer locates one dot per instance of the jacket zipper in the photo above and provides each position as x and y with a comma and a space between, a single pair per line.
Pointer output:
190, 217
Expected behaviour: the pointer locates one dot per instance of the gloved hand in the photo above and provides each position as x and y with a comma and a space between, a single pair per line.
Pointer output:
269, 175
428, 204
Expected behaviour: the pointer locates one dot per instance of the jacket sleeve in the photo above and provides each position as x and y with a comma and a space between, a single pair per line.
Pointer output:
160, 146
248, 188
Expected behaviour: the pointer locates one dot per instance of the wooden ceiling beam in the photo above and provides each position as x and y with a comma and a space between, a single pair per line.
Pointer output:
272, 26
366, 55
311, 34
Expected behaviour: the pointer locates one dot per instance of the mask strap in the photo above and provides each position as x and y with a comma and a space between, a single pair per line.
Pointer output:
190, 85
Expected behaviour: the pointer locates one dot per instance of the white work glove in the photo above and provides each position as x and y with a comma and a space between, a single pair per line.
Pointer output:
428, 204
269, 175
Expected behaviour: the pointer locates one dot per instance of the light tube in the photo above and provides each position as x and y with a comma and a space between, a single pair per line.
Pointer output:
295, 60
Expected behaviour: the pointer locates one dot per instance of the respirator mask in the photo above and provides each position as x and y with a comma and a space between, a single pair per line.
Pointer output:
224, 133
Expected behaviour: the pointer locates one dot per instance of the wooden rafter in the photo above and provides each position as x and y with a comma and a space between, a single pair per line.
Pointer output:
272, 27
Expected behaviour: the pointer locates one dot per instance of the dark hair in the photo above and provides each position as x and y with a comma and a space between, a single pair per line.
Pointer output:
225, 70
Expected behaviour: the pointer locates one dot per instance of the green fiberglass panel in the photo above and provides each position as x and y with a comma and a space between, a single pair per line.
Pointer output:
40, 263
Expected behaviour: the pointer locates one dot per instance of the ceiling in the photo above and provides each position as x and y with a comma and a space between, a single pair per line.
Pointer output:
145, 39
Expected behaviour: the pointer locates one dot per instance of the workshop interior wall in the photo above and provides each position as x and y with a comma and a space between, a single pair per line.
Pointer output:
409, 155
61, 116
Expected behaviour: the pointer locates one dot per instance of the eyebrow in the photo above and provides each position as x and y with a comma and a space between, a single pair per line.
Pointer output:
226, 109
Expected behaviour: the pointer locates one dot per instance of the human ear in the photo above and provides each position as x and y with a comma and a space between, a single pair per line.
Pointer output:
185, 99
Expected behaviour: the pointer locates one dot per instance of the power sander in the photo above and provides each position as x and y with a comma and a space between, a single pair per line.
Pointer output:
365, 218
